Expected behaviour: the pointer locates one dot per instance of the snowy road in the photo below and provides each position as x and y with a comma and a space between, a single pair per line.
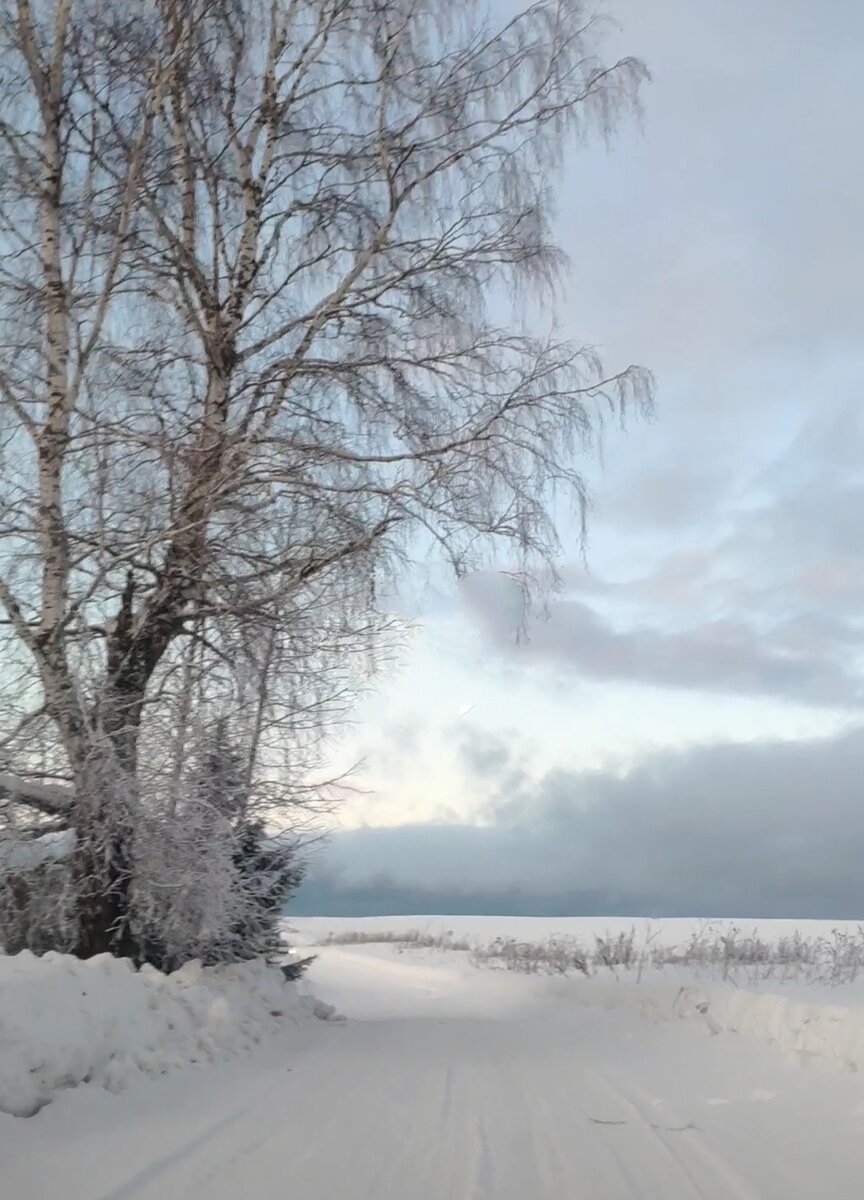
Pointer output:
448, 1084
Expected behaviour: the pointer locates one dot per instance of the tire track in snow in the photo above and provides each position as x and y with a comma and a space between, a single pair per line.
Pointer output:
483, 1188
689, 1143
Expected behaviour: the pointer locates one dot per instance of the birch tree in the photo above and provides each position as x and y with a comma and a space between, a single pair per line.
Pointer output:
265, 274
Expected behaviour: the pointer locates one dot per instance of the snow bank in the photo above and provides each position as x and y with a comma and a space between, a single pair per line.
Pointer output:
806, 1030
65, 1022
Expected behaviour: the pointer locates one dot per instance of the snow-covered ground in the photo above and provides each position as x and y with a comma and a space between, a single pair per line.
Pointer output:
449, 1082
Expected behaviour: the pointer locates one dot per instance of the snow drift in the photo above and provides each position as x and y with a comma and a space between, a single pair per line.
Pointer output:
64, 1021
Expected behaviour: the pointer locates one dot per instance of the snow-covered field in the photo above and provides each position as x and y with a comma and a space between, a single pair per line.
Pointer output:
807, 959
485, 928
482, 930
448, 1081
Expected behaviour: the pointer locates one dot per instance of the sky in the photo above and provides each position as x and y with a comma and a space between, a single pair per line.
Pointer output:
682, 732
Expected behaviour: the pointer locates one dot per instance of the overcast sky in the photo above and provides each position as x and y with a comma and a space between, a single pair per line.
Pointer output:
683, 734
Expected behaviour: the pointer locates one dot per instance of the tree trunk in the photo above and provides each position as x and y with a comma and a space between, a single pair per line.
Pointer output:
104, 811
106, 785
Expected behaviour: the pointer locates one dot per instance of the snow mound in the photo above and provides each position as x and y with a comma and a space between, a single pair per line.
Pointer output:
64, 1021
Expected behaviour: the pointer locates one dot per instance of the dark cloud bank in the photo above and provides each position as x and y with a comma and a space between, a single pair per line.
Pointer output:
753, 830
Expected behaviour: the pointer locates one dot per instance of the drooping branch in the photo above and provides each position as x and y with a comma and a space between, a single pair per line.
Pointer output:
45, 798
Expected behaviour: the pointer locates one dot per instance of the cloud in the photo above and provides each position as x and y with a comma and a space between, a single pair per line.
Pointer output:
729, 222
484, 754
725, 544
727, 254
804, 659
761, 595
740, 830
